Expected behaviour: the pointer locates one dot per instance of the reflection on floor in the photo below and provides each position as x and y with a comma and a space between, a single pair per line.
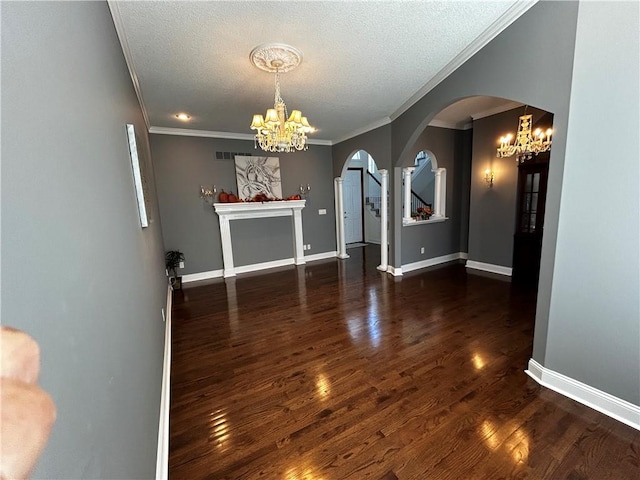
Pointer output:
334, 370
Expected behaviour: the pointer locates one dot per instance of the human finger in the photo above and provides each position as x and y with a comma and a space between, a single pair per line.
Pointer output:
26, 419
19, 355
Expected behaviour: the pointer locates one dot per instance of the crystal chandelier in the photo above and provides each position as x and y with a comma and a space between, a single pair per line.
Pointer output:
274, 132
525, 144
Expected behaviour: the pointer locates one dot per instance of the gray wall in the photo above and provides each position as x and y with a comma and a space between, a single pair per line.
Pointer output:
493, 210
182, 164
594, 322
440, 238
376, 143
550, 27
79, 274
592, 332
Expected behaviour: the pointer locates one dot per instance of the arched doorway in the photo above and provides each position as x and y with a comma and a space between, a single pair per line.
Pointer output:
494, 195
361, 205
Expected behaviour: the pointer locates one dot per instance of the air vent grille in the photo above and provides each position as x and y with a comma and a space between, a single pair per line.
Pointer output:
229, 155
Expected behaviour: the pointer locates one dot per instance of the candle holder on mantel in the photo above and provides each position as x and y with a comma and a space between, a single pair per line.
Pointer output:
304, 191
208, 194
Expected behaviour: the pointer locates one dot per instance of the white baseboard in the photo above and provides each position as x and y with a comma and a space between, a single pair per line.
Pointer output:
320, 256
430, 262
194, 277
254, 267
162, 455
396, 272
603, 402
488, 267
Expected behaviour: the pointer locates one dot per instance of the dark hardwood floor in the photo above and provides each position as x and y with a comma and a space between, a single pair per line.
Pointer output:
334, 370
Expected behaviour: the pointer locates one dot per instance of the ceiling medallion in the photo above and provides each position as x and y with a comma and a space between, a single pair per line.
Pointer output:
274, 132
275, 57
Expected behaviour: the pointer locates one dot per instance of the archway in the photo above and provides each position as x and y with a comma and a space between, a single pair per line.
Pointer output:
484, 216
361, 196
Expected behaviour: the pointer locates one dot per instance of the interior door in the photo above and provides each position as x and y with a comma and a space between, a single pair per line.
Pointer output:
352, 192
527, 243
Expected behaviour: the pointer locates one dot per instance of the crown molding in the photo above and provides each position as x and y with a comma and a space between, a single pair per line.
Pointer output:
496, 110
512, 14
383, 121
452, 125
443, 124
128, 58
185, 132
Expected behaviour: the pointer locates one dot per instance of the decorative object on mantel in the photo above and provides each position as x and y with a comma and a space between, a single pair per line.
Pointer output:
275, 133
225, 197
525, 144
173, 260
258, 176
208, 194
304, 190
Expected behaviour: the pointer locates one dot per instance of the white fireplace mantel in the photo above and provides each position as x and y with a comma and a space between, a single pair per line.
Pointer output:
246, 210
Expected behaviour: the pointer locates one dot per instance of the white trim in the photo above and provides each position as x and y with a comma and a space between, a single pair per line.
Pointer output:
395, 271
506, 19
194, 277
162, 455
236, 211
443, 124
320, 256
186, 132
128, 58
603, 402
489, 267
372, 126
495, 110
254, 267
412, 221
430, 262
452, 125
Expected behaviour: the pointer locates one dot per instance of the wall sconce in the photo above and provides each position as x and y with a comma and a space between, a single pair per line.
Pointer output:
304, 191
208, 194
488, 177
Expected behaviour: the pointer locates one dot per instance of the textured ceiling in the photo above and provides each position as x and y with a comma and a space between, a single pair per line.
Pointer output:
362, 61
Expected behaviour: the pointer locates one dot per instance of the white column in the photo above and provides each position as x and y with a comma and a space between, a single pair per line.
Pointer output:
384, 249
406, 173
338, 215
437, 197
342, 247
297, 237
227, 248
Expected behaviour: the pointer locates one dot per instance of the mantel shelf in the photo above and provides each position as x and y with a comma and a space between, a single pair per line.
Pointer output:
259, 209
248, 210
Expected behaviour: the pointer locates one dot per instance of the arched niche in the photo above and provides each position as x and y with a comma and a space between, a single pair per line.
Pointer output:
430, 208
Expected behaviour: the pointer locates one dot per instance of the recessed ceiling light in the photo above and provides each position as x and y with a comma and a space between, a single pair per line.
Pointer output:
183, 116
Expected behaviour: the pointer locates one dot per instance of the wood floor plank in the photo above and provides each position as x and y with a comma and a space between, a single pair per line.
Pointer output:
335, 371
